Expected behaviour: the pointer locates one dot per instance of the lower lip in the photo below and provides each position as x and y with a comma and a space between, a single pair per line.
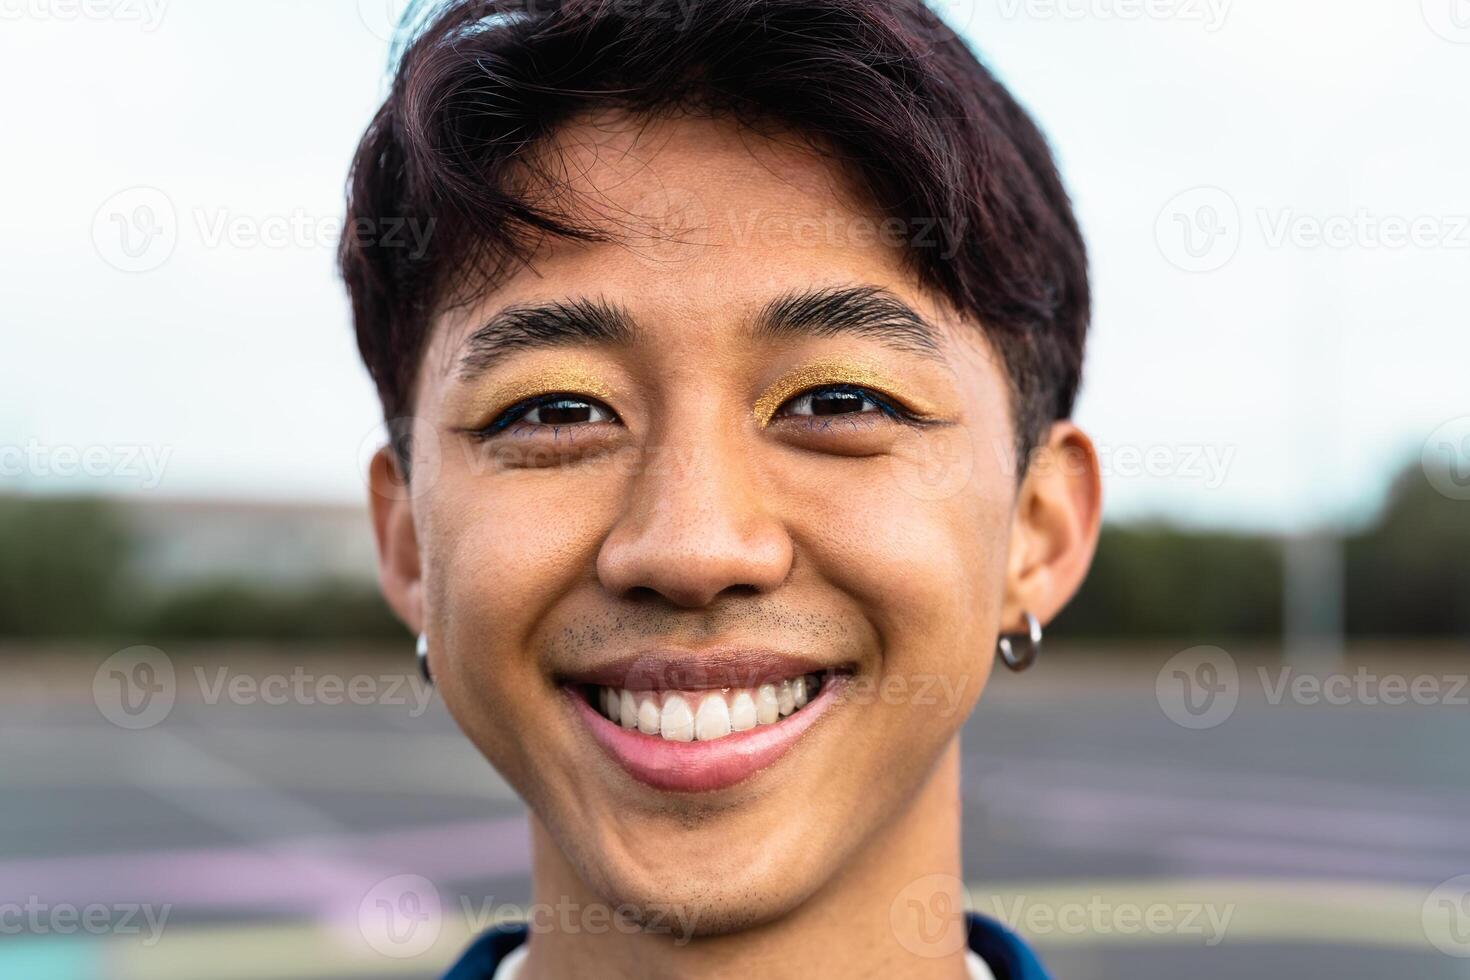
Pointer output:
694, 767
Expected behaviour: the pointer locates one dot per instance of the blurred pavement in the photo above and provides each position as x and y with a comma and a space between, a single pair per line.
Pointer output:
1288, 839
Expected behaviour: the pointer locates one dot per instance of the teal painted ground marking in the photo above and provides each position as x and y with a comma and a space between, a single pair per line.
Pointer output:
51, 957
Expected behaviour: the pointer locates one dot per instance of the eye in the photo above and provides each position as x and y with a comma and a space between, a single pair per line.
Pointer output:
819, 406
554, 412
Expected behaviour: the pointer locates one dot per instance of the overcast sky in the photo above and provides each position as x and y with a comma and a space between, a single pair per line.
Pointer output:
1274, 193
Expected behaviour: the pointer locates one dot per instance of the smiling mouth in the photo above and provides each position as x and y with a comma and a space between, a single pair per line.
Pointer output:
704, 716
692, 731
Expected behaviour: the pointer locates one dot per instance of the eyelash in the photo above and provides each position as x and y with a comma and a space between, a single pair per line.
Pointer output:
867, 394
518, 411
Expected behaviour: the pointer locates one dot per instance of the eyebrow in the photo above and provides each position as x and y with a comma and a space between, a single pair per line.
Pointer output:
863, 311
565, 323
870, 312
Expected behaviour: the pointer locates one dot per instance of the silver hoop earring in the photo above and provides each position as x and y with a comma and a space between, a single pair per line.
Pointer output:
1032, 638
423, 658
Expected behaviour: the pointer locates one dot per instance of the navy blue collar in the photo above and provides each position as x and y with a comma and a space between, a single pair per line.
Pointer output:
1002, 950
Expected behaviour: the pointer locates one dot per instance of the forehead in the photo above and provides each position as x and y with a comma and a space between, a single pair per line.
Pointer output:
630, 173
705, 221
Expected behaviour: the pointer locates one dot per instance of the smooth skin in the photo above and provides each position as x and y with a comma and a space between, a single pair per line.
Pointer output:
672, 514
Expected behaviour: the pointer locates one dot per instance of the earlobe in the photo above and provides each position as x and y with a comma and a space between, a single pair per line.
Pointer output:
1054, 533
400, 573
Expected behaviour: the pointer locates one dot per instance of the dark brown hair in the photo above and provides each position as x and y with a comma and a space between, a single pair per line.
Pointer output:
936, 140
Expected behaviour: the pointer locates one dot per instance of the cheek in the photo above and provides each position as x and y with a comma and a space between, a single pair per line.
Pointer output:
924, 564
497, 558
502, 550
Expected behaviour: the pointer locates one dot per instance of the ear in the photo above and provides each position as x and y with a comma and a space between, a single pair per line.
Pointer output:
1054, 533
400, 574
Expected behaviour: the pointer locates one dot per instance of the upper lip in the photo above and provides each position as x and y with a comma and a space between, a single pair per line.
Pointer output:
667, 669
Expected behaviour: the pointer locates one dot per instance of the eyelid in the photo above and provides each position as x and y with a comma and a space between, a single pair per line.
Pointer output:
564, 381
864, 373
523, 391
514, 413
886, 403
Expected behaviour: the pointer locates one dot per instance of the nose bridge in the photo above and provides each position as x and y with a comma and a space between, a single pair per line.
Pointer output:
694, 522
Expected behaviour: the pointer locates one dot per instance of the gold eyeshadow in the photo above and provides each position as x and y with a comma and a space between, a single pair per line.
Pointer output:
860, 372
570, 379
857, 371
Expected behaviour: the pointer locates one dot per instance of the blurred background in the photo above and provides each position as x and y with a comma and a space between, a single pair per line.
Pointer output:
1243, 749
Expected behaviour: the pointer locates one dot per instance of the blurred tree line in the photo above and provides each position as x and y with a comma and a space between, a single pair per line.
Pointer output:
65, 571
1408, 574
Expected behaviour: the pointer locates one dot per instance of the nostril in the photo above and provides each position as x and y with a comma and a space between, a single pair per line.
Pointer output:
685, 593
642, 594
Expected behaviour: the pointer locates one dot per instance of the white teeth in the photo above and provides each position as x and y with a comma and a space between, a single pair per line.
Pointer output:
742, 712
767, 704
718, 713
713, 719
676, 724
786, 698
648, 715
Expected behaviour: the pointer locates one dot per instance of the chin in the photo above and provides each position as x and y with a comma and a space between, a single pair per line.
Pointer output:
705, 880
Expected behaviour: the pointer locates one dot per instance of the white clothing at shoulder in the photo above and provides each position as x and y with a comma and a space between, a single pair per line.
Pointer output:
510, 967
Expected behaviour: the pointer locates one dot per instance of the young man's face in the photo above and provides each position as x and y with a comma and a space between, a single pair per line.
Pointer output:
718, 480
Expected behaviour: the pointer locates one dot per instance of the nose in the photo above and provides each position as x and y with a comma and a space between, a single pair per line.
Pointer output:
694, 526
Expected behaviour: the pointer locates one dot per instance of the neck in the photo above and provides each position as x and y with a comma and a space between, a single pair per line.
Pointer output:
893, 909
